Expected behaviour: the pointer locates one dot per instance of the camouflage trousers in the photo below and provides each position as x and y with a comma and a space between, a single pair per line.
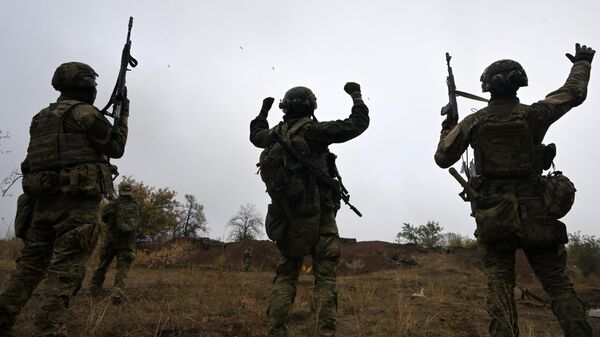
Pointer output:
62, 234
124, 259
326, 258
549, 265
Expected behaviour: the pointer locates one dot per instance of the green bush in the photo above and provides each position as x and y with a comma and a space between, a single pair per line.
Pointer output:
426, 236
584, 252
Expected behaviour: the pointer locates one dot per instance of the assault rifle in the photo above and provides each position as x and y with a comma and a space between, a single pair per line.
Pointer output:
119, 92
315, 171
452, 92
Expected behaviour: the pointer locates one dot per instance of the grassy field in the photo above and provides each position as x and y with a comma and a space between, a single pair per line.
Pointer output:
220, 301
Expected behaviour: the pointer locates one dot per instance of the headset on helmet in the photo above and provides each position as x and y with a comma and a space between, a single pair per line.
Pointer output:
503, 76
73, 76
299, 100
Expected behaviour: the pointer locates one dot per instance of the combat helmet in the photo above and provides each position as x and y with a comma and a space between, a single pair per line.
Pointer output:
125, 189
299, 100
73, 76
503, 76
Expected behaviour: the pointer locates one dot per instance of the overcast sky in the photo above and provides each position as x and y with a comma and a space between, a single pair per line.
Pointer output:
205, 66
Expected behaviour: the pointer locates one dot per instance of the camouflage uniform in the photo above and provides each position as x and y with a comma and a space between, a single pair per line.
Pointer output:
118, 243
542, 238
247, 258
325, 251
65, 174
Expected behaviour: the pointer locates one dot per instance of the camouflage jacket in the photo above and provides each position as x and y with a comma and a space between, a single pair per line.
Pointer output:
320, 134
539, 116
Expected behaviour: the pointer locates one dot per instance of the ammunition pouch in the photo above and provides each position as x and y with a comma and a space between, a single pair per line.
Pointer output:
497, 217
41, 183
25, 205
87, 179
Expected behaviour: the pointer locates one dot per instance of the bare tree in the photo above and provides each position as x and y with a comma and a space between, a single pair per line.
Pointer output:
12, 178
246, 224
191, 219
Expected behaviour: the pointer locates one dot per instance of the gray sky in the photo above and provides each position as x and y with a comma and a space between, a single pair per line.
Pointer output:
205, 66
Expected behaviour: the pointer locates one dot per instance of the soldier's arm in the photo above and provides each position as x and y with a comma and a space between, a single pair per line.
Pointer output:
340, 131
100, 131
453, 142
259, 131
560, 101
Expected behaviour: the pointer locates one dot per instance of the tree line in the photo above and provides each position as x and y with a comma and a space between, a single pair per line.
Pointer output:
163, 217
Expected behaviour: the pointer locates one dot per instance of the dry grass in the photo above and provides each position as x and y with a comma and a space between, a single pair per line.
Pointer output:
220, 302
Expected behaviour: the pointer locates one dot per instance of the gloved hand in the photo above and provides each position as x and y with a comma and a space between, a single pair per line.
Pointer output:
451, 119
352, 89
581, 53
266, 106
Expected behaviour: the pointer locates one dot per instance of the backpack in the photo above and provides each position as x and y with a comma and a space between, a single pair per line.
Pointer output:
278, 170
127, 216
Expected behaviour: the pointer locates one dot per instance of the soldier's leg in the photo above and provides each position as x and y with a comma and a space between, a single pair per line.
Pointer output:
124, 260
324, 303
30, 270
76, 237
105, 256
550, 268
282, 295
499, 267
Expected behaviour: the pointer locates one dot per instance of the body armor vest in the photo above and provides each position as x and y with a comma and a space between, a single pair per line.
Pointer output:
504, 147
127, 215
50, 148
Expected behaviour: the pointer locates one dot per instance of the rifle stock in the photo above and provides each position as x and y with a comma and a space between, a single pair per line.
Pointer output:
472, 195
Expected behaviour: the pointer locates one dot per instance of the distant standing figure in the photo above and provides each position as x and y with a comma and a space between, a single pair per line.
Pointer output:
122, 219
65, 174
511, 205
247, 258
301, 216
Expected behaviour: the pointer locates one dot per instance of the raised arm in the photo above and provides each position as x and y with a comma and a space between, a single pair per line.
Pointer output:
340, 131
259, 126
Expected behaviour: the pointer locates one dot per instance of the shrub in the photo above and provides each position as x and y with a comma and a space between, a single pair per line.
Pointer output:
584, 252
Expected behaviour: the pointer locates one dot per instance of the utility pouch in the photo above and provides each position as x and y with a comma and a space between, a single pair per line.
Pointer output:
81, 179
25, 205
105, 178
543, 234
300, 237
40, 183
497, 217
276, 222
558, 194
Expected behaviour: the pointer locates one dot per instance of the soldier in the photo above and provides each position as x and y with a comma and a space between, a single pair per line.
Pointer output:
509, 210
247, 258
66, 172
122, 218
302, 221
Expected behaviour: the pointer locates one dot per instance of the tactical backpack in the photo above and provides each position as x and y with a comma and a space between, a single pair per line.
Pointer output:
278, 170
127, 216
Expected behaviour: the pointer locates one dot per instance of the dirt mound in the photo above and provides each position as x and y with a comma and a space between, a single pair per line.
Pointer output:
357, 257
